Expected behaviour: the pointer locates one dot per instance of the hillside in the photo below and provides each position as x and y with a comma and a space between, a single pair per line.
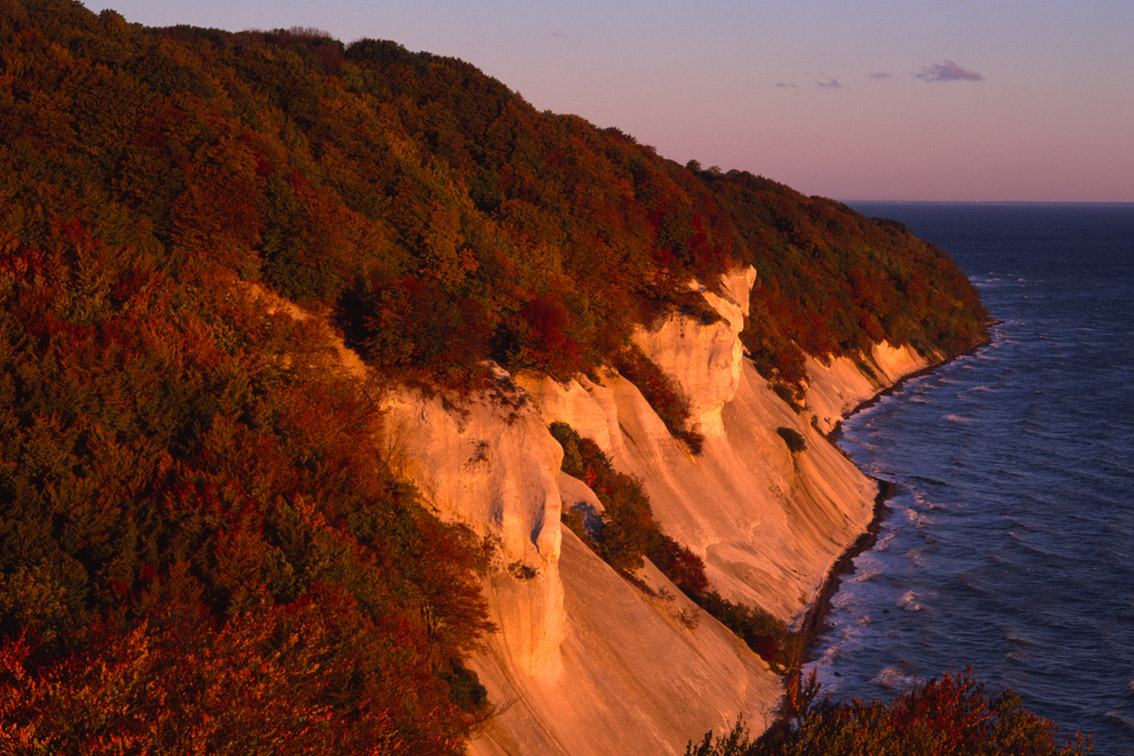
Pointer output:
222, 532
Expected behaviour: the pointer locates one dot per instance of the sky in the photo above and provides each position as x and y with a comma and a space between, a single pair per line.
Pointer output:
901, 100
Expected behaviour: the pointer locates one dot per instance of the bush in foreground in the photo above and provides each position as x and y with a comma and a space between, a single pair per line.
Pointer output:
948, 715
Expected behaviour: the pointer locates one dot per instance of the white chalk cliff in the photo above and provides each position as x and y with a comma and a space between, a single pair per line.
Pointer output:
584, 662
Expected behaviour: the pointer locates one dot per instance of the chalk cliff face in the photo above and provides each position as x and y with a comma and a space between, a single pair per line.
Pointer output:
584, 662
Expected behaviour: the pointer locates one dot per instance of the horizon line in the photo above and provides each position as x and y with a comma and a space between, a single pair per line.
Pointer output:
983, 202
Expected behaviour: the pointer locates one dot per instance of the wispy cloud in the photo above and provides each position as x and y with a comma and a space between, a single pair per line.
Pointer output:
559, 35
880, 75
830, 83
947, 70
785, 85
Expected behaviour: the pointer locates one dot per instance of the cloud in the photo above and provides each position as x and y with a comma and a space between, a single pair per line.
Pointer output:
880, 75
560, 35
785, 85
947, 70
830, 83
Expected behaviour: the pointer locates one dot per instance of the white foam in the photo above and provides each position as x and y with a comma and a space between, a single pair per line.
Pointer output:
883, 543
866, 567
908, 603
916, 518
894, 679
957, 418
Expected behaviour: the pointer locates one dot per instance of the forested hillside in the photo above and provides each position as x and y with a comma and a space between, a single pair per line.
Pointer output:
200, 550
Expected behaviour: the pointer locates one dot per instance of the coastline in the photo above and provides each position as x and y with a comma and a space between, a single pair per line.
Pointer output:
813, 620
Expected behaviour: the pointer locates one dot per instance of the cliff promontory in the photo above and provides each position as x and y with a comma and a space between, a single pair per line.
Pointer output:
350, 404
585, 660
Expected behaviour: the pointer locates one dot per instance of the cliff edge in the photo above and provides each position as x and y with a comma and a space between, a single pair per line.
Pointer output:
585, 661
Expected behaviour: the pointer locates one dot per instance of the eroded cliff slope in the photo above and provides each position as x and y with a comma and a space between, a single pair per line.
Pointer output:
585, 661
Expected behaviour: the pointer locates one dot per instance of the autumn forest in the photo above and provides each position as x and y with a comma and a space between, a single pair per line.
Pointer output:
201, 550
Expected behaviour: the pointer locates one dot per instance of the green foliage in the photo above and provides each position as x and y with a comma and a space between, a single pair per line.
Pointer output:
947, 715
832, 282
194, 512
190, 510
355, 179
628, 532
737, 742
793, 438
627, 527
767, 636
664, 395
684, 569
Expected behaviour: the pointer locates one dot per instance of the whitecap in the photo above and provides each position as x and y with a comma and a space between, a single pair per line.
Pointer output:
957, 419
916, 518
908, 603
982, 388
893, 678
866, 567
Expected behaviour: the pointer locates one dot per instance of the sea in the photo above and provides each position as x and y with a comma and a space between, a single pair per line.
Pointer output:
1008, 546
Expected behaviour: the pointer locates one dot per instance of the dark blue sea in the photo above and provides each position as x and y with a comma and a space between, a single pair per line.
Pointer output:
1009, 545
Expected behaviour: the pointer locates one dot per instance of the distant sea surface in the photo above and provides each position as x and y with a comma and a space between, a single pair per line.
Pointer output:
1009, 545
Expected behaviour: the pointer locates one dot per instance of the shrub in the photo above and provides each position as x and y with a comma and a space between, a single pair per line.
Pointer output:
947, 715
767, 636
627, 524
663, 394
684, 569
793, 438
628, 533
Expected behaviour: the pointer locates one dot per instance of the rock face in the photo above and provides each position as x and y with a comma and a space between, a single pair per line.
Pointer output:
584, 661
491, 464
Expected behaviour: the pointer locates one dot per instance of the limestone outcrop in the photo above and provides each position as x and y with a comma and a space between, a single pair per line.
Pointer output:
585, 661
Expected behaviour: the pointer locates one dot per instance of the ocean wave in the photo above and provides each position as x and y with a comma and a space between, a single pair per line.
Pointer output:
1012, 637
916, 518
907, 601
866, 567
929, 480
894, 679
957, 419
1122, 719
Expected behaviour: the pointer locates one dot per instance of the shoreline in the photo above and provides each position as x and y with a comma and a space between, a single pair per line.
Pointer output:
813, 620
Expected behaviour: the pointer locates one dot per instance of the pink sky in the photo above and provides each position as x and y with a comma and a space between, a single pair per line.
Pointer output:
957, 100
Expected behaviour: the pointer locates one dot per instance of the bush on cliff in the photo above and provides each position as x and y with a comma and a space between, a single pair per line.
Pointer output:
767, 636
627, 525
663, 394
793, 438
628, 533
